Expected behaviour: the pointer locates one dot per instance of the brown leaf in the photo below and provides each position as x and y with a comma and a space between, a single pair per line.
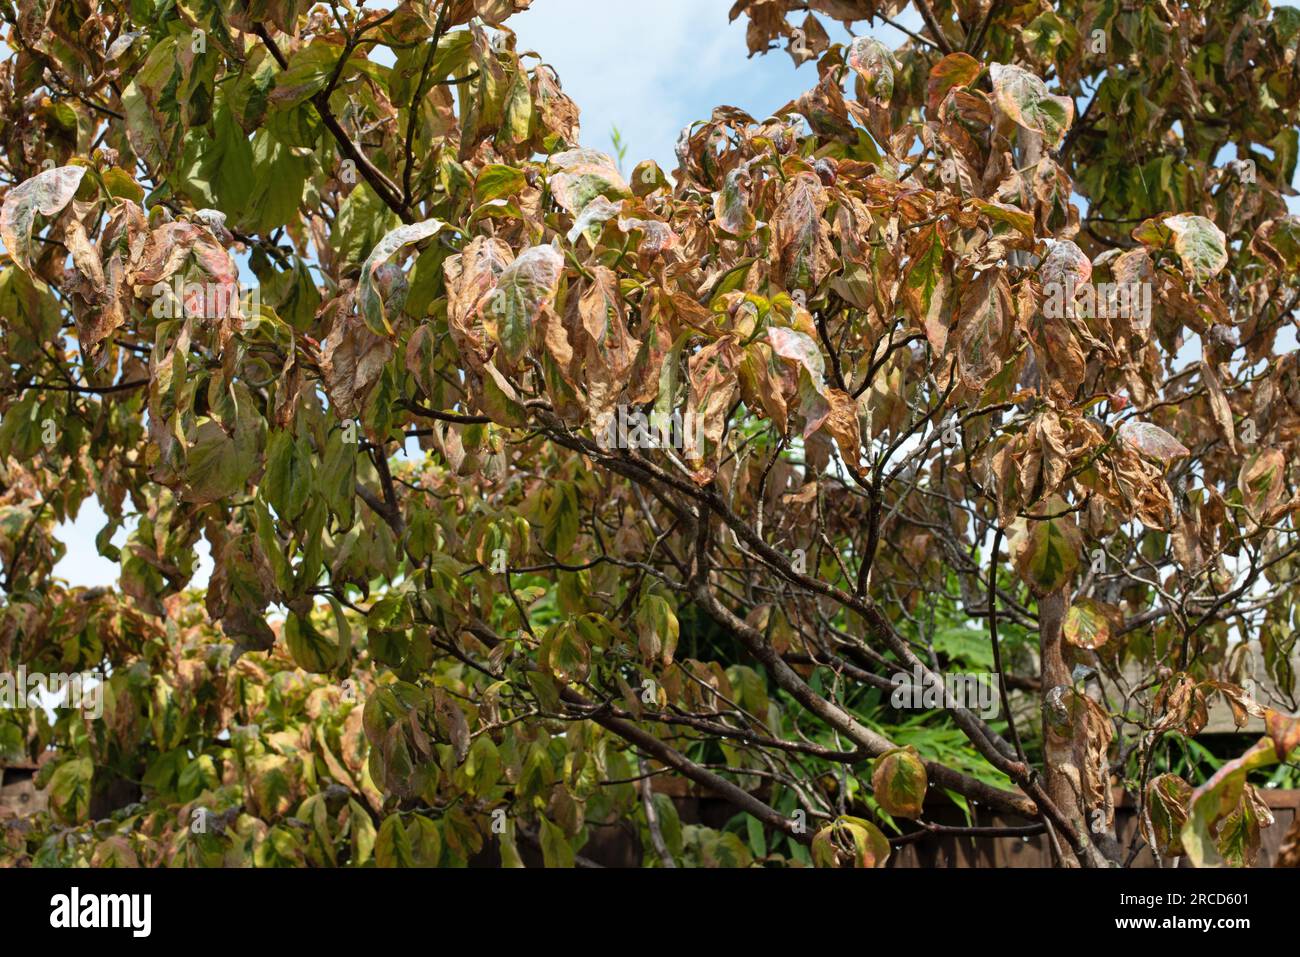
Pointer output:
801, 248
842, 424
352, 358
1261, 483
982, 321
954, 70
1284, 730
1152, 441
712, 374
609, 348
470, 276
1219, 407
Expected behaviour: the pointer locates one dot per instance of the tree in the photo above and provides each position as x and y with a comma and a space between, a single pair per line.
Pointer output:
977, 357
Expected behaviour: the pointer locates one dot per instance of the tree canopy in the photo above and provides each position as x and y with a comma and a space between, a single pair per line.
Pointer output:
538, 491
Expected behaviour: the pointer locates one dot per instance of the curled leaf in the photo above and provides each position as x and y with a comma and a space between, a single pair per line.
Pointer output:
875, 65
850, 841
1261, 482
582, 175
368, 297
1152, 441
45, 193
1218, 827
954, 70
1167, 800
596, 213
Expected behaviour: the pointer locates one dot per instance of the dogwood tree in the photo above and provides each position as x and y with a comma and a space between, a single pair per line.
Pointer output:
927, 443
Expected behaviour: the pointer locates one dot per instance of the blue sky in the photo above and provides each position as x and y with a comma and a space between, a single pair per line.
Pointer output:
652, 68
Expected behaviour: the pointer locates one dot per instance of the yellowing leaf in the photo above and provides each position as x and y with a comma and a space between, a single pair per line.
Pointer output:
1046, 550
875, 64
1261, 482
982, 314
954, 70
899, 782
850, 841
1215, 810
1087, 624
925, 287
1167, 799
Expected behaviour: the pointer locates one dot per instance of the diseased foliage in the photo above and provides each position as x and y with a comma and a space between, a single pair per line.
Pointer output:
910, 432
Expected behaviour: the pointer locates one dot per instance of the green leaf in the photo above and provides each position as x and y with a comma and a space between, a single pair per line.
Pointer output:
566, 653
227, 164
495, 181
556, 850
363, 833
749, 686
560, 519
310, 68
287, 482
311, 649
216, 465
393, 845
69, 790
